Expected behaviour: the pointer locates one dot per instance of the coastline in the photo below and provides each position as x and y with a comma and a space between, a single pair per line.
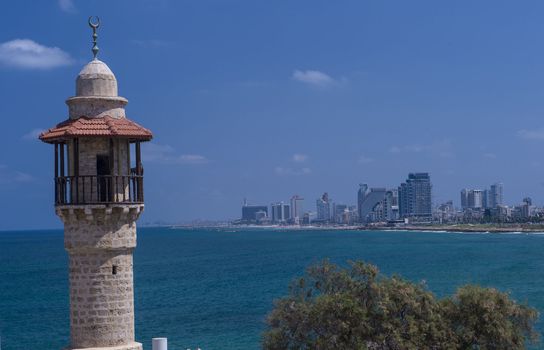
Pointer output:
459, 228
473, 228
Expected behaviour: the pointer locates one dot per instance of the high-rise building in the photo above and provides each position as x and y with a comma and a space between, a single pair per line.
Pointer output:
367, 201
495, 195
323, 206
353, 214
338, 212
306, 219
249, 212
280, 213
415, 197
391, 205
296, 209
475, 199
526, 208
361, 193
464, 198
485, 198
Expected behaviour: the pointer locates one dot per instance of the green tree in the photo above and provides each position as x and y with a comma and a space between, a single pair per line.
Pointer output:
357, 308
484, 318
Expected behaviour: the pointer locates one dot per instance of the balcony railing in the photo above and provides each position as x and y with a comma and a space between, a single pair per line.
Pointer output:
93, 189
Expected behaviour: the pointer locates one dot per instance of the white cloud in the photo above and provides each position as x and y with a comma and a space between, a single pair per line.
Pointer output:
365, 160
165, 154
536, 134
300, 158
67, 6
281, 171
313, 77
32, 134
25, 53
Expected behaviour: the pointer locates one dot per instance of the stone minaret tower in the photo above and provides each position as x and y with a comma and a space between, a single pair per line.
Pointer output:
99, 196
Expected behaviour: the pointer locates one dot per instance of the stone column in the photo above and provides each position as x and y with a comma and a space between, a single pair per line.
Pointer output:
100, 240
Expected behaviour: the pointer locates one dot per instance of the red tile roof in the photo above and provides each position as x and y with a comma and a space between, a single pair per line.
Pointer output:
96, 127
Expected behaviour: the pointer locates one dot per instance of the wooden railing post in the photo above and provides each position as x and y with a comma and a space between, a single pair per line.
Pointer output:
98, 189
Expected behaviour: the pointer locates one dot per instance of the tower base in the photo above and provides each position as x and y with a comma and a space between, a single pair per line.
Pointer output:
131, 346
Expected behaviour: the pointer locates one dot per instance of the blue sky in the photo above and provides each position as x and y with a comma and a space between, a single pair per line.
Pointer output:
266, 99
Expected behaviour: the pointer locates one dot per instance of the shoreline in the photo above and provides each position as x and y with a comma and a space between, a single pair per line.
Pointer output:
473, 228
420, 228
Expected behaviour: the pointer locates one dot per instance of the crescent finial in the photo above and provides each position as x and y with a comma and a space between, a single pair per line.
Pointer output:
97, 22
94, 26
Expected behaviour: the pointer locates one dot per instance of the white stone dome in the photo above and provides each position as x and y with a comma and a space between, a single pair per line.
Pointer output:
96, 93
96, 79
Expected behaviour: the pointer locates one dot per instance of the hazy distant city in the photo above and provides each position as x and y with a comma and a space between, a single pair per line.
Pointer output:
409, 203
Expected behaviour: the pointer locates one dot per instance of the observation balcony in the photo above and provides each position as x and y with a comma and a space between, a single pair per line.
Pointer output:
99, 189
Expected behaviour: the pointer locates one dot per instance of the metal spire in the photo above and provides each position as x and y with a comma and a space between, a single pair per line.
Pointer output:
94, 26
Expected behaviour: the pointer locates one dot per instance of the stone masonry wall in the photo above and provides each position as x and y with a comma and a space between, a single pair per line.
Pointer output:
89, 148
101, 303
100, 241
96, 107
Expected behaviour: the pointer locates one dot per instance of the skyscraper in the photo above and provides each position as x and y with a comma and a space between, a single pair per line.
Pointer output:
338, 212
296, 209
415, 197
495, 195
368, 200
361, 193
486, 199
280, 213
323, 207
475, 199
249, 212
464, 198
391, 205
486, 195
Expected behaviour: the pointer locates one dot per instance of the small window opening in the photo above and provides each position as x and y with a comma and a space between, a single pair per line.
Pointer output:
114, 270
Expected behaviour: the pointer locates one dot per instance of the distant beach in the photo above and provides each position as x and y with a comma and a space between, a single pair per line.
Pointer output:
477, 228
483, 228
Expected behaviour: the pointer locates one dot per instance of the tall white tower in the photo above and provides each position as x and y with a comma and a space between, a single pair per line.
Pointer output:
99, 196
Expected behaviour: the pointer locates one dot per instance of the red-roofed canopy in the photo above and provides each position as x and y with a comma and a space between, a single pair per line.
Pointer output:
96, 127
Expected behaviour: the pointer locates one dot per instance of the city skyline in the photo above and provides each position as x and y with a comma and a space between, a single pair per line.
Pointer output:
518, 198
298, 104
410, 203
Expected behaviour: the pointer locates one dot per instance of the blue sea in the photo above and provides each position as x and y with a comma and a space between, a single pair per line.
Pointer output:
213, 288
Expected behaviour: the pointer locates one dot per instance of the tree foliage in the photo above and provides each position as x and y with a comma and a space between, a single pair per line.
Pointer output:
357, 308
